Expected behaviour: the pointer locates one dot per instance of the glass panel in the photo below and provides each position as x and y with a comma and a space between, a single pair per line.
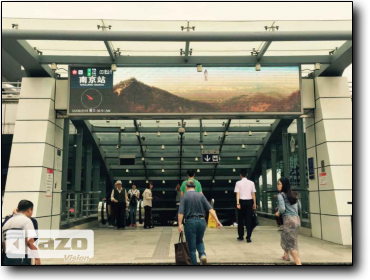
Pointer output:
146, 25
320, 25
223, 48
149, 48
236, 26
302, 48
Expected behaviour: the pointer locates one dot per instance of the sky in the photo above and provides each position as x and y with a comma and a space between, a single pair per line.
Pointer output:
183, 11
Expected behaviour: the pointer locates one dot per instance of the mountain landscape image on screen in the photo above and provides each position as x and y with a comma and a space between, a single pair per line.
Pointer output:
276, 92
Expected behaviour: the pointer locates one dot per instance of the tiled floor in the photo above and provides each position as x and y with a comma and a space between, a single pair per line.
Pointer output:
156, 246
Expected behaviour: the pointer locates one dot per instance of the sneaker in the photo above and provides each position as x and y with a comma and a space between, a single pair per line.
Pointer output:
111, 226
240, 238
175, 223
134, 225
203, 260
249, 240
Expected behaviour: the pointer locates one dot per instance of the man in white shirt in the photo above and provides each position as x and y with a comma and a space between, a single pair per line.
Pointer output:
19, 226
245, 202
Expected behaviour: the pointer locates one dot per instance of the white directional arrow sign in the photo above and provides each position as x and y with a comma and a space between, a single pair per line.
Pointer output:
210, 156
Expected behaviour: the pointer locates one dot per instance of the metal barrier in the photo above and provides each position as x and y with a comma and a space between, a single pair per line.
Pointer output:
79, 205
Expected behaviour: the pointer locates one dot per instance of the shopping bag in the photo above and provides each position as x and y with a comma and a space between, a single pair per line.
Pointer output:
182, 254
255, 219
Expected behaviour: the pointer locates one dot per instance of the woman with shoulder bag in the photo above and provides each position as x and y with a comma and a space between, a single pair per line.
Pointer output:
289, 205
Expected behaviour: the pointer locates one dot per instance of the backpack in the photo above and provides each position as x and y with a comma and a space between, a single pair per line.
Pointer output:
133, 199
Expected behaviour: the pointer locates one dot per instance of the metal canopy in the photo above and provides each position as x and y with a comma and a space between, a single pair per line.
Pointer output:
175, 43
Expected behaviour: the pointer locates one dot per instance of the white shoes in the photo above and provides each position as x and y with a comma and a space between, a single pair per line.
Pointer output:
203, 260
175, 223
111, 226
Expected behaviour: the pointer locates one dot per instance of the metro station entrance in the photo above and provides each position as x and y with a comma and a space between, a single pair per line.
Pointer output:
139, 119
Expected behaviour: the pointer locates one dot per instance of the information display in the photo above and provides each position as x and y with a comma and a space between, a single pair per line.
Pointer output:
184, 90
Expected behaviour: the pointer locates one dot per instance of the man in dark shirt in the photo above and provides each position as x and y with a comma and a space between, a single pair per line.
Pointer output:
192, 207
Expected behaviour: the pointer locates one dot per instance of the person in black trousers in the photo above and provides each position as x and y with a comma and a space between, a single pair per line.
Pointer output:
119, 199
246, 203
147, 202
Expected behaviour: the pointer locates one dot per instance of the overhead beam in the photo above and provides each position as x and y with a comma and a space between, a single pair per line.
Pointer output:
173, 61
187, 51
148, 155
26, 56
184, 143
176, 167
110, 50
181, 143
84, 35
341, 59
110, 129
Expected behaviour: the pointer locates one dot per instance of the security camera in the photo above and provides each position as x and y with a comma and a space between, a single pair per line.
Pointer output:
181, 131
113, 67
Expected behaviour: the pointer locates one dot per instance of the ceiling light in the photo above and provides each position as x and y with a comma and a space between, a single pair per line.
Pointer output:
225, 191
147, 181
130, 182
163, 181
198, 170
213, 181
137, 134
250, 133
158, 134
229, 181
196, 159
162, 170
127, 170
162, 147
234, 170
142, 158
163, 192
199, 68
113, 67
162, 159
205, 133
258, 67
317, 66
243, 146
54, 67
118, 146
226, 133
201, 146
238, 158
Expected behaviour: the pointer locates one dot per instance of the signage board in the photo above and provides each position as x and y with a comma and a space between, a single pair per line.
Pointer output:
311, 169
210, 157
323, 179
178, 91
49, 182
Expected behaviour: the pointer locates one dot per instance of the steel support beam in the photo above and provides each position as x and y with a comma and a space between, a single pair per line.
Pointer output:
187, 51
264, 151
78, 164
184, 155
263, 50
302, 165
264, 186
93, 139
341, 59
26, 56
141, 148
274, 175
285, 143
181, 143
186, 143
122, 36
176, 167
107, 129
65, 168
174, 61
88, 167
96, 179
222, 143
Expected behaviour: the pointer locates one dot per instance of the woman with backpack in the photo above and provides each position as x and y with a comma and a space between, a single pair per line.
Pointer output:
133, 196
289, 205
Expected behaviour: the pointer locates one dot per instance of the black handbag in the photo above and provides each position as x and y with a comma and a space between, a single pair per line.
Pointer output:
182, 253
255, 219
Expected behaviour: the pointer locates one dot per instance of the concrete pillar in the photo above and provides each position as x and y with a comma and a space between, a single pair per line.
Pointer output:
35, 166
329, 142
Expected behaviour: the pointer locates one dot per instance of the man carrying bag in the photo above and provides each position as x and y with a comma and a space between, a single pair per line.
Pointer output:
182, 252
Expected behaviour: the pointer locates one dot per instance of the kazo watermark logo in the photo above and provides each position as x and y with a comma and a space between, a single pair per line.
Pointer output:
70, 245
